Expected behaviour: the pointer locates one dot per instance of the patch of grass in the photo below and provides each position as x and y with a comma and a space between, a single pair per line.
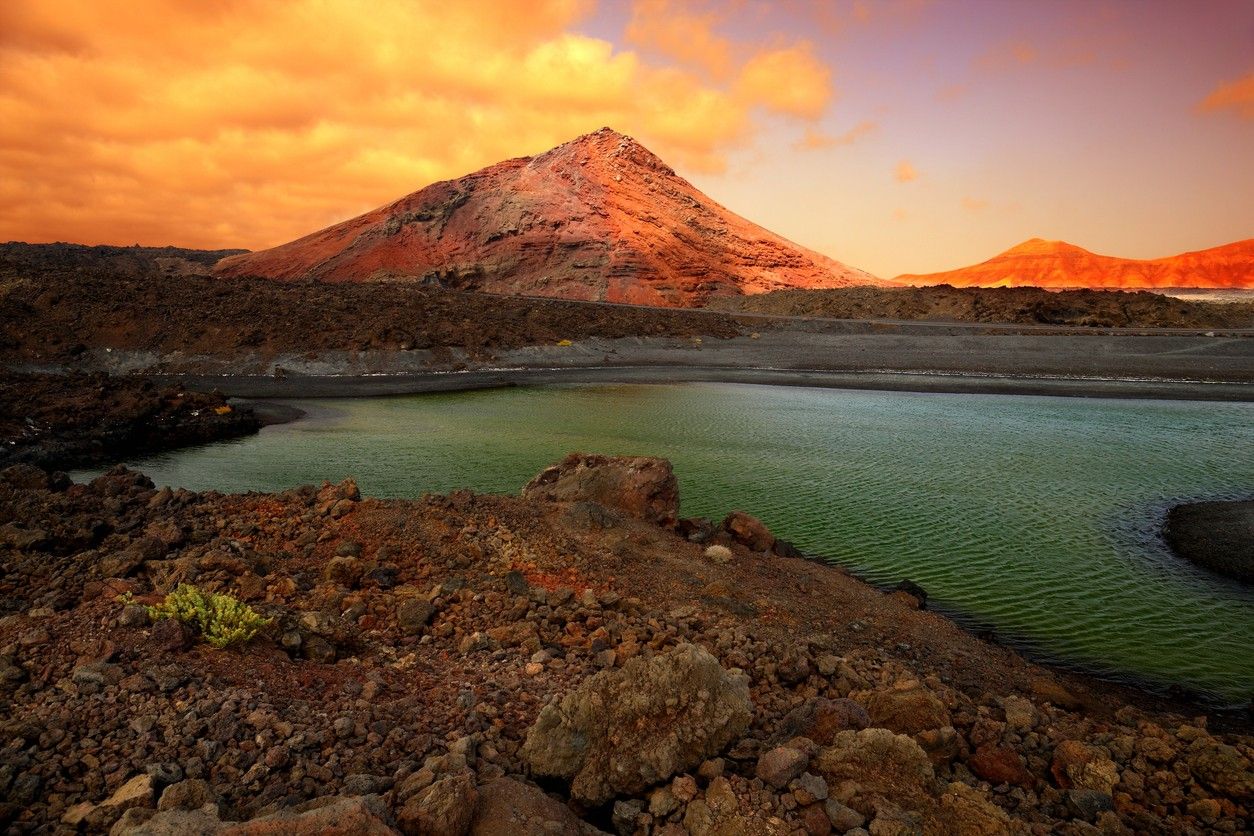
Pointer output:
221, 620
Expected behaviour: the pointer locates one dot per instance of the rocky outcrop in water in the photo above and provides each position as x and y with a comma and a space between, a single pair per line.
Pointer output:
643, 486
1216, 535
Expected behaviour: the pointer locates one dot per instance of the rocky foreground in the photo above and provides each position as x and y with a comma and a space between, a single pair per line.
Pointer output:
573, 660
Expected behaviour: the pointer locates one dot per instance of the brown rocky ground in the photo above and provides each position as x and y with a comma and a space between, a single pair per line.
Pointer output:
57, 315
430, 661
77, 420
16, 256
1020, 305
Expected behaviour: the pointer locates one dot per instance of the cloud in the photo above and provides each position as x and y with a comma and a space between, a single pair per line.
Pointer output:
789, 81
1236, 96
672, 29
248, 124
951, 92
905, 172
974, 204
815, 140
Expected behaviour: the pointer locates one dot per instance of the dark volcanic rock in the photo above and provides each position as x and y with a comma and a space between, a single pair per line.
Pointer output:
1216, 535
77, 420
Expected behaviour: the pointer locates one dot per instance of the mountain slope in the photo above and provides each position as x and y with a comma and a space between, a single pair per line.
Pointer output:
597, 218
1040, 263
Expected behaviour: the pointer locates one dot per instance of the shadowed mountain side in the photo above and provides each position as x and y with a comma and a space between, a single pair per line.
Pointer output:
597, 218
1057, 264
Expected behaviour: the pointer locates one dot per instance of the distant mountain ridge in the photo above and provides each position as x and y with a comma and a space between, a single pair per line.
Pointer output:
1058, 264
18, 257
598, 218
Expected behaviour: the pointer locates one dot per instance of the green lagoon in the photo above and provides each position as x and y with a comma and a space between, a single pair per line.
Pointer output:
1036, 517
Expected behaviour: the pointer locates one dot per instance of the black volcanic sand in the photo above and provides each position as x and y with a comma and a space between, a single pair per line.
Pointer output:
1216, 535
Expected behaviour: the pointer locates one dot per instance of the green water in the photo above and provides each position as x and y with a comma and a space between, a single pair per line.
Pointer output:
1037, 517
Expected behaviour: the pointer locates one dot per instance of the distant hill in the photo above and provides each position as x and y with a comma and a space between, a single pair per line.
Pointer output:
597, 218
1057, 264
136, 261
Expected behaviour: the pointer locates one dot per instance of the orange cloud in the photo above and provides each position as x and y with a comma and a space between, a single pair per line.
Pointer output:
974, 204
673, 30
790, 81
1237, 96
815, 140
247, 124
905, 172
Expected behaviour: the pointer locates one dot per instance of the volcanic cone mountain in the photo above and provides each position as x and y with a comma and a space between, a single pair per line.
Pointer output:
597, 218
1056, 264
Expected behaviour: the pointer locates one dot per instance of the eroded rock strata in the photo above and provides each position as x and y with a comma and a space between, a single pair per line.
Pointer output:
491, 664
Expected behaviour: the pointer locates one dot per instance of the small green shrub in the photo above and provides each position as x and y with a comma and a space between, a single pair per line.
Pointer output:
221, 620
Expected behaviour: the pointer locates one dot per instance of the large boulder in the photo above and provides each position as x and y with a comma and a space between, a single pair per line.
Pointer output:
907, 708
876, 758
643, 486
1081, 766
442, 809
627, 729
365, 815
749, 531
1222, 768
203, 821
1000, 765
509, 806
965, 811
139, 791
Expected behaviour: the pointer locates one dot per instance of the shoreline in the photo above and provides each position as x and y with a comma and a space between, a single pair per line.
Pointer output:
375, 385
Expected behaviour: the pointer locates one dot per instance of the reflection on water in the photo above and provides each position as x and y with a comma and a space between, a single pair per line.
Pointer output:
1036, 516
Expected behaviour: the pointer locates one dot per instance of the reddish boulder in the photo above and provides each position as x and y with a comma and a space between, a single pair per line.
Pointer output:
749, 531
1078, 765
509, 806
999, 765
907, 708
643, 486
820, 719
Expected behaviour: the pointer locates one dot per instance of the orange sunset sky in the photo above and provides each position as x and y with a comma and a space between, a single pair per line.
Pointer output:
896, 136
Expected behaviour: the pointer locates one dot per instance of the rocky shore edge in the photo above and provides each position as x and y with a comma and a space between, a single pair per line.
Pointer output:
67, 421
577, 659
